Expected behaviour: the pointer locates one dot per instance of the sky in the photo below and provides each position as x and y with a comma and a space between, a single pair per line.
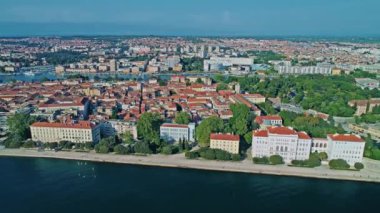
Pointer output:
190, 17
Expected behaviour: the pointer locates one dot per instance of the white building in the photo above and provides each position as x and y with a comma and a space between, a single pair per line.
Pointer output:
283, 141
76, 132
298, 70
218, 63
174, 132
347, 147
268, 120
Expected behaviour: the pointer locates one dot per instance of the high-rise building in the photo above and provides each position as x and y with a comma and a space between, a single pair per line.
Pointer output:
113, 65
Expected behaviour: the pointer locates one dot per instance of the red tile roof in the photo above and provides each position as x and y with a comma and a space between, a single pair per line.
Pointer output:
346, 137
79, 125
174, 125
260, 119
229, 137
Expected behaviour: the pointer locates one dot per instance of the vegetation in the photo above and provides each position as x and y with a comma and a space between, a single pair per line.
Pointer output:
122, 149
148, 128
142, 147
327, 94
314, 126
221, 86
339, 164
263, 160
182, 118
19, 129
262, 57
276, 159
213, 154
192, 64
209, 125
313, 161
359, 166
62, 57
372, 149
105, 145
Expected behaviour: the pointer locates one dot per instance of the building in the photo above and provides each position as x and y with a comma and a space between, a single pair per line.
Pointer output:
113, 65
319, 145
268, 120
227, 142
304, 70
174, 132
219, 63
283, 141
367, 83
76, 132
347, 147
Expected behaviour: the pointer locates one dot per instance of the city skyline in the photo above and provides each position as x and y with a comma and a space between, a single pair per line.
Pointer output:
193, 18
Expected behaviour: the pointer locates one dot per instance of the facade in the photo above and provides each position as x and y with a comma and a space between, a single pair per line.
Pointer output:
268, 120
76, 132
227, 142
297, 70
218, 63
367, 83
174, 132
283, 141
347, 147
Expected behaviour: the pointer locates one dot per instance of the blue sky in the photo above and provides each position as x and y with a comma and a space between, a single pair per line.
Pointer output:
191, 17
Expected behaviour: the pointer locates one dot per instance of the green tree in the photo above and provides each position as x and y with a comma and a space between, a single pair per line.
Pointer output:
142, 147
127, 138
182, 118
359, 166
221, 86
241, 119
19, 126
148, 127
323, 156
276, 159
338, 164
121, 150
206, 127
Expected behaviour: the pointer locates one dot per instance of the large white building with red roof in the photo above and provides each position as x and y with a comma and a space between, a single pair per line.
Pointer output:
283, 141
76, 132
345, 146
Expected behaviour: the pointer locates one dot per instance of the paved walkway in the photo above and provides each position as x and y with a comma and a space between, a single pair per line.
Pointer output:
371, 173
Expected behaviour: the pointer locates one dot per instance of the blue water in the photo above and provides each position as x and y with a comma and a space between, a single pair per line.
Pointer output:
48, 185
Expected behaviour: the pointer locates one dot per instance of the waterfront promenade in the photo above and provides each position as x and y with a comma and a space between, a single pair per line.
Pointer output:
371, 173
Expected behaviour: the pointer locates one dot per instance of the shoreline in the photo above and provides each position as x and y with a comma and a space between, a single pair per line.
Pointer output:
370, 174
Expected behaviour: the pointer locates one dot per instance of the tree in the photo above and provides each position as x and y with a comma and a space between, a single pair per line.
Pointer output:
105, 145
121, 150
167, 150
182, 118
19, 125
221, 86
206, 127
192, 155
276, 159
359, 166
323, 156
241, 118
338, 164
148, 127
142, 147
263, 160
127, 138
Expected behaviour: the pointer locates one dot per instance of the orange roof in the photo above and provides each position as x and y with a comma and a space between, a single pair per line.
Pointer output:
226, 137
260, 119
260, 133
79, 125
281, 130
174, 125
345, 137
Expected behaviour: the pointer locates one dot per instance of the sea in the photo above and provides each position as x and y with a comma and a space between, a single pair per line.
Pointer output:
50, 185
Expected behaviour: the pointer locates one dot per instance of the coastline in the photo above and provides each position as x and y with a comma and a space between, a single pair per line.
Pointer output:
371, 173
